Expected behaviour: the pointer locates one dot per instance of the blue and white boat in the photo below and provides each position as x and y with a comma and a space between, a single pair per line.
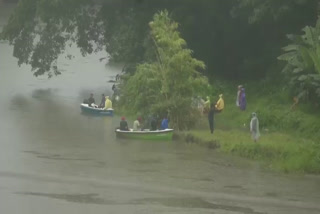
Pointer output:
85, 108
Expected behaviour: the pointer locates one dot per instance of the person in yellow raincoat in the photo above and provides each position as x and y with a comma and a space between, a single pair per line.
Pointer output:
108, 103
220, 104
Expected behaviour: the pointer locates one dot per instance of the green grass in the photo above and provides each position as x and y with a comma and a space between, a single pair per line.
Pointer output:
273, 109
289, 138
277, 151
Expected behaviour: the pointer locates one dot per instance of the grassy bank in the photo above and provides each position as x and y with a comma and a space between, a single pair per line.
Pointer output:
277, 151
273, 106
289, 138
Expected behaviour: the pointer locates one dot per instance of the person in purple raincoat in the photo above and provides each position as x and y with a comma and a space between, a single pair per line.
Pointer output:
242, 100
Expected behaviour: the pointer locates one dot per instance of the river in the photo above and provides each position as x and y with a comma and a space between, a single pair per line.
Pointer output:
53, 159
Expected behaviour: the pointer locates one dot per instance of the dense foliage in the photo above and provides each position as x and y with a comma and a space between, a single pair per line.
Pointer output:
167, 84
303, 62
218, 31
237, 39
276, 10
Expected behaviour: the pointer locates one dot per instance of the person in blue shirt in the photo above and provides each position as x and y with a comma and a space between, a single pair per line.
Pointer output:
165, 123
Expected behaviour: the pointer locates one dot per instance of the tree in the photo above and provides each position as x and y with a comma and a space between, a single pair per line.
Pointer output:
230, 47
40, 30
168, 83
302, 59
274, 9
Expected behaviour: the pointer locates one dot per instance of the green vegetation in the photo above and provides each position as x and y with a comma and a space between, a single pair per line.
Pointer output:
289, 138
232, 47
303, 64
273, 105
275, 150
162, 74
167, 85
258, 11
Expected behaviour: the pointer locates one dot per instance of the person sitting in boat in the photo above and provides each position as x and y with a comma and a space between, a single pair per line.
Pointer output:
113, 87
137, 125
123, 124
220, 104
103, 101
165, 123
91, 101
153, 124
108, 103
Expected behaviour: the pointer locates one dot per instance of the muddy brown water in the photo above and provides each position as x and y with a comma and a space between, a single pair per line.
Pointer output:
54, 159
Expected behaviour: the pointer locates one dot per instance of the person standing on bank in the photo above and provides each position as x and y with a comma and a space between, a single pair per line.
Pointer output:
238, 95
243, 100
254, 127
211, 118
206, 105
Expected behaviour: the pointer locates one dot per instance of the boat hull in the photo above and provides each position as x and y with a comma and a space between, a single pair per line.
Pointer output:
146, 135
96, 111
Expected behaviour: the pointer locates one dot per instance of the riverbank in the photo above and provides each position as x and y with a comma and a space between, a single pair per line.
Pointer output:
289, 138
277, 151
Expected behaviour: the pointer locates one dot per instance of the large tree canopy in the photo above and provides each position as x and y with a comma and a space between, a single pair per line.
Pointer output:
40, 30
218, 31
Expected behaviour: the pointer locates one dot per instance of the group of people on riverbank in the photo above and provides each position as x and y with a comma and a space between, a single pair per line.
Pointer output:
105, 103
151, 124
241, 102
213, 108
205, 106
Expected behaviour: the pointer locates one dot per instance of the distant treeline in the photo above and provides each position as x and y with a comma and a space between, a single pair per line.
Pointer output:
237, 39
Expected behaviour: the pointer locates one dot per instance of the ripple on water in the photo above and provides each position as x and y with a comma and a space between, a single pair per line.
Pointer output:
197, 203
76, 198
93, 198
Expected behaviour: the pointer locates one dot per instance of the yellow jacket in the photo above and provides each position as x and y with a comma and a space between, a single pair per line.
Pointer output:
108, 104
220, 103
